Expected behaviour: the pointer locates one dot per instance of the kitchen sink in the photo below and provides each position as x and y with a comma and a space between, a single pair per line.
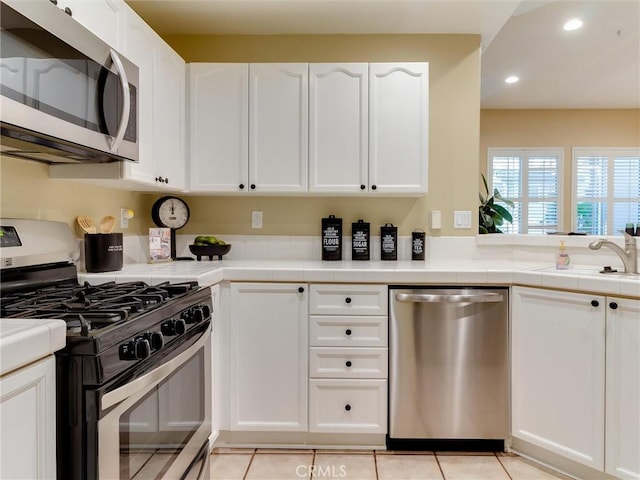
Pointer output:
584, 270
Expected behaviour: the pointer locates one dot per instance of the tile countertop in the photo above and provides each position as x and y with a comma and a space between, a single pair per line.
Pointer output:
23, 341
450, 272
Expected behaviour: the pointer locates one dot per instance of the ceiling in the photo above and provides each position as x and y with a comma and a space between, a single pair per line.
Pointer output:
597, 66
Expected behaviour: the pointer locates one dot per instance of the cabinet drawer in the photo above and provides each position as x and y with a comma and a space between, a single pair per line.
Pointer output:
354, 406
348, 362
348, 299
347, 331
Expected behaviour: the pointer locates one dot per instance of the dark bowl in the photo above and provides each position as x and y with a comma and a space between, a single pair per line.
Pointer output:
210, 251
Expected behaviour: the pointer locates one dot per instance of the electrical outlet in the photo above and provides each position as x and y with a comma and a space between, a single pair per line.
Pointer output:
256, 219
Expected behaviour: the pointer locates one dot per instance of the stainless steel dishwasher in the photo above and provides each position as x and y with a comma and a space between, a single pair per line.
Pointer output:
448, 368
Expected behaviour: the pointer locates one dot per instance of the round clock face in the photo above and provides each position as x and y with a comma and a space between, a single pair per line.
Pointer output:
170, 212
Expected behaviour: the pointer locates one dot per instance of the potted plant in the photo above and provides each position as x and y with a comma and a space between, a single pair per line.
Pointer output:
492, 215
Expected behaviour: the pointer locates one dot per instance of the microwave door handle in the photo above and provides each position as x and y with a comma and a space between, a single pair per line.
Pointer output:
124, 112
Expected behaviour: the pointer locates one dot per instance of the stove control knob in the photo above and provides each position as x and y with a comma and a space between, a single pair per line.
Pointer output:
206, 311
173, 327
155, 339
143, 349
181, 326
187, 316
198, 314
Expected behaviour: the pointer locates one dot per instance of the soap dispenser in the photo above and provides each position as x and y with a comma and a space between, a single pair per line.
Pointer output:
562, 260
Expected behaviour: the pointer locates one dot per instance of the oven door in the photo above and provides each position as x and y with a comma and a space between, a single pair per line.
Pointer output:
158, 425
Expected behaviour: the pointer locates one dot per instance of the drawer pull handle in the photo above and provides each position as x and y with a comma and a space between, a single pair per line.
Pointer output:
595, 303
301, 289
348, 331
347, 300
348, 364
347, 407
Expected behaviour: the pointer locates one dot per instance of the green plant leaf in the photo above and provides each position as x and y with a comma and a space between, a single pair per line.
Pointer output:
504, 213
484, 180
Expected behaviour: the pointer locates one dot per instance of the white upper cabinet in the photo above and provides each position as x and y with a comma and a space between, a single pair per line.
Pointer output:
104, 18
278, 127
219, 127
398, 127
338, 127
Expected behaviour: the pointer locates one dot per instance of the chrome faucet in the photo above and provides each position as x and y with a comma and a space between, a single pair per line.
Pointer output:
629, 255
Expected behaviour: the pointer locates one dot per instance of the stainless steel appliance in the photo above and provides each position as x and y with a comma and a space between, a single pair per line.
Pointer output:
133, 383
66, 96
448, 368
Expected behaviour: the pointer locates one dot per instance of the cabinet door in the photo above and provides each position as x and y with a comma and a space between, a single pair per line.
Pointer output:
278, 133
623, 388
139, 44
104, 18
398, 127
28, 419
268, 365
558, 349
338, 127
169, 117
219, 127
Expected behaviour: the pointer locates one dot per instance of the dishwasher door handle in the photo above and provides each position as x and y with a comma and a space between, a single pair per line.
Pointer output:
488, 297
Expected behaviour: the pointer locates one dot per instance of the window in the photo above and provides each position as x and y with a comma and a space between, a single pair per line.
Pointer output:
607, 189
532, 180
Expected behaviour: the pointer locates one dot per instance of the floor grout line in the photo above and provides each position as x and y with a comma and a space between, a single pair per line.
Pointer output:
246, 472
503, 467
439, 466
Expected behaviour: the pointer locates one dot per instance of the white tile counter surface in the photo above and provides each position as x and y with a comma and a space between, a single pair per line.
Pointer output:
23, 341
434, 272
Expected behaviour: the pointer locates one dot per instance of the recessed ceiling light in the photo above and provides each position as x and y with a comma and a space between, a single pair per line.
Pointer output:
573, 24
511, 79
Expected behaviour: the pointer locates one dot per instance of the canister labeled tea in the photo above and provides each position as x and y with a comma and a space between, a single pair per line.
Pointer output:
360, 240
331, 238
388, 242
417, 245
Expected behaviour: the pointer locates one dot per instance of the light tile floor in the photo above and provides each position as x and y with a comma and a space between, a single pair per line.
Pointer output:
283, 464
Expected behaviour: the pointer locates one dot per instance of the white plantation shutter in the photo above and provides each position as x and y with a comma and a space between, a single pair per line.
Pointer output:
607, 189
532, 180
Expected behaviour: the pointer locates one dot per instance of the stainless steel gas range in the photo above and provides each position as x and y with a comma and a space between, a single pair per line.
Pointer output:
133, 384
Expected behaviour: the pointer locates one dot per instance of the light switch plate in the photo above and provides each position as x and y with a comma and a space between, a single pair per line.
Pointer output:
461, 219
436, 219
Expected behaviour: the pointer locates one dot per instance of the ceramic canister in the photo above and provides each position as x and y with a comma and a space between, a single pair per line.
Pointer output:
388, 242
360, 240
103, 252
331, 238
417, 245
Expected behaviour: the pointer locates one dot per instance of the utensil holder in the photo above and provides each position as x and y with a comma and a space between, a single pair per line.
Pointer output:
103, 252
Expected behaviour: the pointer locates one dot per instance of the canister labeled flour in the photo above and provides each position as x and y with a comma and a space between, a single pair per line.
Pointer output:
388, 242
331, 238
360, 240
417, 245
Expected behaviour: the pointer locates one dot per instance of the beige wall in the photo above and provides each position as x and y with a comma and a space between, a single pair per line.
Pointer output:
26, 191
453, 145
558, 128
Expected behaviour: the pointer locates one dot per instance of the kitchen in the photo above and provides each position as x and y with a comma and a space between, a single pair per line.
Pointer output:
457, 137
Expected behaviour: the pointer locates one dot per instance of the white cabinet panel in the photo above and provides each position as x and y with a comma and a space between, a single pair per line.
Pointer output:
623, 388
28, 419
325, 362
268, 364
338, 127
558, 377
354, 406
278, 132
348, 299
219, 127
348, 331
104, 18
398, 127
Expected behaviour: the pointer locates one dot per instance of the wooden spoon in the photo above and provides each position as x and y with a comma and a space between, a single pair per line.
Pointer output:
86, 224
107, 224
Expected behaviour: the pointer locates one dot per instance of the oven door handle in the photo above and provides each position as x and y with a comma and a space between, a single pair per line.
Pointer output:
154, 377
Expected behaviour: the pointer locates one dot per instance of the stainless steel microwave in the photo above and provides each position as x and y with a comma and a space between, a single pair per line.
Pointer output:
65, 95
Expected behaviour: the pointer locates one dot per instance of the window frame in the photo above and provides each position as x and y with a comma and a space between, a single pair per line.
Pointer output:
610, 153
526, 153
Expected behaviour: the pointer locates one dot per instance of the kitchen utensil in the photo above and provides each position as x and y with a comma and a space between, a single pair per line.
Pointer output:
107, 224
86, 224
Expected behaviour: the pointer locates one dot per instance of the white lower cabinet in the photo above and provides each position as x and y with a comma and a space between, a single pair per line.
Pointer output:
348, 359
622, 434
268, 376
28, 419
576, 377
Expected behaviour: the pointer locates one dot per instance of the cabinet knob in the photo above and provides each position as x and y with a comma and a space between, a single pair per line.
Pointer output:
347, 300
595, 303
241, 186
301, 289
55, 2
362, 187
347, 407
166, 179
373, 187
253, 186
68, 11
613, 305
348, 364
348, 331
